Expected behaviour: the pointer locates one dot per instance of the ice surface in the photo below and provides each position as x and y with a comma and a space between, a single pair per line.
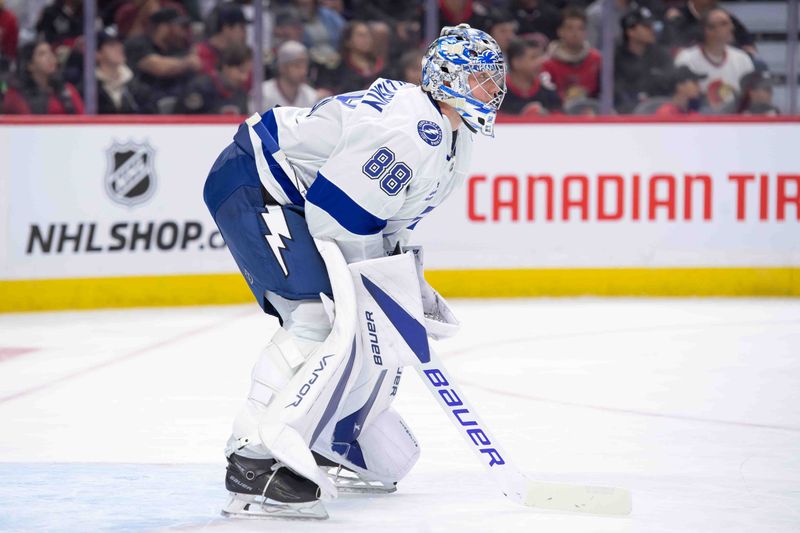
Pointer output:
115, 420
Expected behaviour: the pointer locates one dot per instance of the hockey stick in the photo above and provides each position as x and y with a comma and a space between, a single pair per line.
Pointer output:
380, 285
540, 494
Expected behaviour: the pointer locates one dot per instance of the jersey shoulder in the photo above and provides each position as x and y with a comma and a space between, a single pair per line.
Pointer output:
400, 109
396, 104
688, 55
739, 56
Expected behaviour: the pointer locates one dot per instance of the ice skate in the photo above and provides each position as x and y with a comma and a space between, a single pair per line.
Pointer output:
349, 482
262, 488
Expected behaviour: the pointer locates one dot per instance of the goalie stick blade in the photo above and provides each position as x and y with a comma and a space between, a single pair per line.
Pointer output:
578, 498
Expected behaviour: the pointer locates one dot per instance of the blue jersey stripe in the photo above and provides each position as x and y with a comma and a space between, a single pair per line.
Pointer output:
267, 131
342, 208
268, 119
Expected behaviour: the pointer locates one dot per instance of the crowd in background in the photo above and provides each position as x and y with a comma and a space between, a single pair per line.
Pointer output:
192, 56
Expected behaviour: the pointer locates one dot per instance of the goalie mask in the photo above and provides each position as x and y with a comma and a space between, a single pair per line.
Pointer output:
465, 68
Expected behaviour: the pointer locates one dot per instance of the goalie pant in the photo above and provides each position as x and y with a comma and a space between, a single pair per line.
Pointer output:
344, 402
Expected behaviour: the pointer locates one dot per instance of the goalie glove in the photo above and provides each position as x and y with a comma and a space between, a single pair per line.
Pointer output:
440, 321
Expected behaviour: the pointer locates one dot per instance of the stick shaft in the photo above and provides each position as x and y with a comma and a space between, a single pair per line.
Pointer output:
513, 484
484, 444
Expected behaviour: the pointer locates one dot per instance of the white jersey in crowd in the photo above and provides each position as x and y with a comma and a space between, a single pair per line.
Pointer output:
272, 95
366, 165
722, 79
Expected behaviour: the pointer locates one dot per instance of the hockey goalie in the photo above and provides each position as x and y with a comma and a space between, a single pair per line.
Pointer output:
316, 206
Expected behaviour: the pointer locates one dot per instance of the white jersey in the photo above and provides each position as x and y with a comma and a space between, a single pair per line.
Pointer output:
272, 95
722, 79
366, 165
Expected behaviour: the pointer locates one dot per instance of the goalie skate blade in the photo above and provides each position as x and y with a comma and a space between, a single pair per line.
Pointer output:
348, 482
254, 508
578, 498
365, 489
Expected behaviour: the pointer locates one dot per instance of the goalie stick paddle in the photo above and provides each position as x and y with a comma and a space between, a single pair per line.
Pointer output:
514, 485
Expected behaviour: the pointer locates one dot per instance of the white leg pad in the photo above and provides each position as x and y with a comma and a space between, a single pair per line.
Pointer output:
274, 368
299, 385
389, 448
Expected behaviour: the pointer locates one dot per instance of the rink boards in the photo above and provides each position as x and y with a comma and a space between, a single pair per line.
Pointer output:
108, 213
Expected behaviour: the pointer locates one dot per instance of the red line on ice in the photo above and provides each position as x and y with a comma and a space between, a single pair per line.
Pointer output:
121, 358
9, 352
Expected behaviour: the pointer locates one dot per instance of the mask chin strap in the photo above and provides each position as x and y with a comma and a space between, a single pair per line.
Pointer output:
467, 124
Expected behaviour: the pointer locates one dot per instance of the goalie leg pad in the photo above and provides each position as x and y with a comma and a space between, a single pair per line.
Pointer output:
296, 416
273, 370
387, 450
371, 441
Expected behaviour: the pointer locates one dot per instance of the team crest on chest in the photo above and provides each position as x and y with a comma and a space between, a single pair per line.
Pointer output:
430, 132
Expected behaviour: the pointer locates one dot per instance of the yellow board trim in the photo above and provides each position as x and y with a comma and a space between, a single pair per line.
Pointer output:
153, 291
618, 282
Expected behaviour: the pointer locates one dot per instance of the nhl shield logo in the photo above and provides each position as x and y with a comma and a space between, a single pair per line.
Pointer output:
130, 175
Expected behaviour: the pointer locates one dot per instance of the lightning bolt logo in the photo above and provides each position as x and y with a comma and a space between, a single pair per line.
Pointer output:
276, 223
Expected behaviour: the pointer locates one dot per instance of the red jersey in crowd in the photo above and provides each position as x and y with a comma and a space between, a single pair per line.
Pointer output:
67, 101
541, 96
669, 109
9, 33
574, 75
209, 58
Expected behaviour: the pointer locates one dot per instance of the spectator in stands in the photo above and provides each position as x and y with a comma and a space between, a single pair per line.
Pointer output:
685, 94
391, 12
133, 16
222, 92
530, 91
336, 5
114, 95
641, 67
757, 94
536, 16
39, 89
501, 25
359, 66
322, 31
61, 24
9, 37
407, 36
290, 86
453, 12
227, 26
410, 67
161, 61
582, 107
594, 20
722, 64
395, 26
27, 13
574, 65
288, 27
685, 26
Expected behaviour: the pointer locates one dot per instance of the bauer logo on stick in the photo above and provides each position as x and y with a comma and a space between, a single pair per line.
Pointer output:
130, 175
